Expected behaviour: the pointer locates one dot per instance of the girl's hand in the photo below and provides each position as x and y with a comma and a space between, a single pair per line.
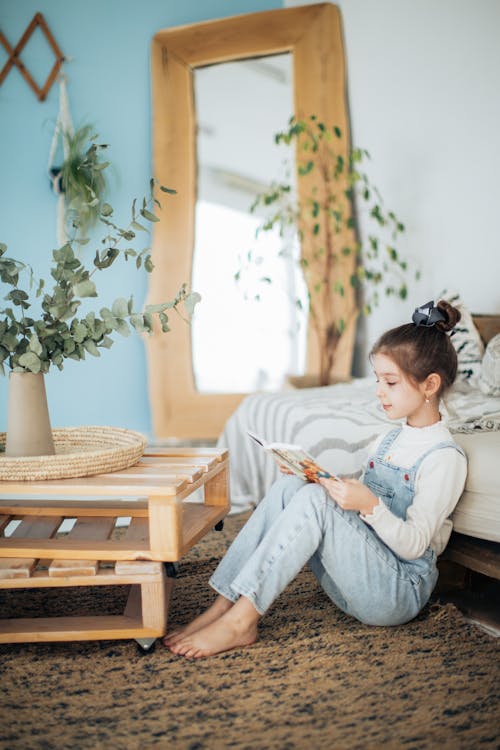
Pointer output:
351, 494
285, 470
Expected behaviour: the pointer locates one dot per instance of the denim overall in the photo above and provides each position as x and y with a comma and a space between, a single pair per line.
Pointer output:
395, 485
297, 523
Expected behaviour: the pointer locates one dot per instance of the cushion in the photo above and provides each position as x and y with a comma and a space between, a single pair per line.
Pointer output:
478, 510
489, 377
466, 340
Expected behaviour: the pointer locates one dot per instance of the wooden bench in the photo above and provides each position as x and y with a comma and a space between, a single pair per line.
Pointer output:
127, 525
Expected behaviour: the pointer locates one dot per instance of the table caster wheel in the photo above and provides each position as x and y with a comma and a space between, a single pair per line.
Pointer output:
219, 526
146, 646
171, 569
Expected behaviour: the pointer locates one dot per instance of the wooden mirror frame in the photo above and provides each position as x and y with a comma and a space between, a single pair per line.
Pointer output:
313, 35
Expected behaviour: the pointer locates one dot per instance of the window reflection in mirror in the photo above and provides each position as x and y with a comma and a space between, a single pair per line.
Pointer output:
248, 335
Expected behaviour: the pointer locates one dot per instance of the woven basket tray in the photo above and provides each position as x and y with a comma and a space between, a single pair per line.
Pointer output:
80, 452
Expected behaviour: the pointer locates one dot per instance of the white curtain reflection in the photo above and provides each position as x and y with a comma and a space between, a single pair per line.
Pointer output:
246, 337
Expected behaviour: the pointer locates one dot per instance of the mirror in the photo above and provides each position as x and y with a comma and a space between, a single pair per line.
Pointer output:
262, 339
182, 406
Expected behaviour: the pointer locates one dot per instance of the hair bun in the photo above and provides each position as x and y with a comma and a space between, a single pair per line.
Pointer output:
452, 314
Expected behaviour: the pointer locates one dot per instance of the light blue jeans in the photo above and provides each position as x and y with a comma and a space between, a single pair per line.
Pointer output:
297, 522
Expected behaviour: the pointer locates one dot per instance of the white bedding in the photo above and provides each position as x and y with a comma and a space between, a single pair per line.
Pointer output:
336, 424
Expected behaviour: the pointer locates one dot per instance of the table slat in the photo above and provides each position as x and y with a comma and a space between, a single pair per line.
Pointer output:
29, 528
138, 531
93, 528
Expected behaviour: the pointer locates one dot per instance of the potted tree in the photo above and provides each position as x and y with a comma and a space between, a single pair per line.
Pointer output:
344, 273
30, 344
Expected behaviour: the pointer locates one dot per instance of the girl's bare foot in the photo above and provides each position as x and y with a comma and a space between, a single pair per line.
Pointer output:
216, 610
236, 628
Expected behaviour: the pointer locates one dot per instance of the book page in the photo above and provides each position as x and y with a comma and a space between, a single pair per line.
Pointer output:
294, 458
299, 462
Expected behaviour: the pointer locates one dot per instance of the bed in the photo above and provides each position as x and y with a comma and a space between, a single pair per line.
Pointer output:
337, 423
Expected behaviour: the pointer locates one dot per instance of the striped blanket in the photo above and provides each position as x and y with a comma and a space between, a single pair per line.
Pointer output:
336, 424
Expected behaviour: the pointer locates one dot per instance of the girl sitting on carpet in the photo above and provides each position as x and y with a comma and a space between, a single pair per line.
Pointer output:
372, 544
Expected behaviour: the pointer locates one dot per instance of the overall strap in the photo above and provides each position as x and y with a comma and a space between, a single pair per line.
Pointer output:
437, 447
388, 441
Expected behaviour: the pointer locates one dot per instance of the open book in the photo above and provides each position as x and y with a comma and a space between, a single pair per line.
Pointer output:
294, 458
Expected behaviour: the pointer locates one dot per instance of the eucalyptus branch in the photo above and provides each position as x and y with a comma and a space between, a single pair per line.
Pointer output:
60, 333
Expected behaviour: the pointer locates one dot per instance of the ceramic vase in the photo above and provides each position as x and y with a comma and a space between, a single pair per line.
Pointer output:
28, 423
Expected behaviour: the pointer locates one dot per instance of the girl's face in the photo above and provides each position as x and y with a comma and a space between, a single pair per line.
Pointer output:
399, 396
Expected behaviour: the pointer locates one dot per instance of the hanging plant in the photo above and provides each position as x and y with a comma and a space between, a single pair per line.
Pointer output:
81, 178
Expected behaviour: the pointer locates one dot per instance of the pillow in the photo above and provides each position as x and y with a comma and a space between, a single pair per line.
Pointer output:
467, 342
489, 377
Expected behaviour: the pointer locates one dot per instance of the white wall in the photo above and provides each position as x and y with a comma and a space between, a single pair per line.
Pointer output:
423, 89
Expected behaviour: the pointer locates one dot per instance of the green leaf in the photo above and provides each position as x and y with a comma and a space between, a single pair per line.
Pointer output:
148, 215
30, 361
164, 322
106, 342
91, 347
106, 258
306, 168
191, 301
69, 346
35, 345
80, 332
122, 327
9, 340
85, 288
119, 308
148, 321
137, 322
168, 190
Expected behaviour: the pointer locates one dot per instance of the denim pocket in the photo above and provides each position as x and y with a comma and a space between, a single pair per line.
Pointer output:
385, 493
422, 567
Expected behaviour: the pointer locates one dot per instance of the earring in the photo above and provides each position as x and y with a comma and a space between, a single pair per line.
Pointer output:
427, 401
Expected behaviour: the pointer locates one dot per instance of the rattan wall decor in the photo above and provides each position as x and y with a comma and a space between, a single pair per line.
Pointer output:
14, 53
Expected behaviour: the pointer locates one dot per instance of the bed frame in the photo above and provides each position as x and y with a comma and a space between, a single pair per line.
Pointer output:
479, 555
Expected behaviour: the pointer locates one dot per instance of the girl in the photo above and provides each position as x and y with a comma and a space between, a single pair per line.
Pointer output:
372, 544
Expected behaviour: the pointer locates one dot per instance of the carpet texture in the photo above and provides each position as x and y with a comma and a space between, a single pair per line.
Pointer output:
315, 679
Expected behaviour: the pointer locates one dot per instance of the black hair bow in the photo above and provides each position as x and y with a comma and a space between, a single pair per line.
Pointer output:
427, 315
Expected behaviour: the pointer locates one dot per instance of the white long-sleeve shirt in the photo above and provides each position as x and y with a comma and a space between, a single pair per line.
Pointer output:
439, 483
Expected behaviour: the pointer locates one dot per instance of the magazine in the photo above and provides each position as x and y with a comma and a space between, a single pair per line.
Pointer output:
295, 459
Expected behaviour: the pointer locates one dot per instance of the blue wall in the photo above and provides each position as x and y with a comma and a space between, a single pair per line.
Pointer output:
107, 43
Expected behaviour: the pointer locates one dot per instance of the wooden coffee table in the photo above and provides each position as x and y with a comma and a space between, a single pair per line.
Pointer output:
160, 520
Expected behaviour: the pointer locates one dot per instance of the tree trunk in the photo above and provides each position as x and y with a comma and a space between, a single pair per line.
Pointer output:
28, 423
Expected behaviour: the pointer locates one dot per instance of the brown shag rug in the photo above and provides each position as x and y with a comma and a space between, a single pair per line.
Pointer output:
315, 679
